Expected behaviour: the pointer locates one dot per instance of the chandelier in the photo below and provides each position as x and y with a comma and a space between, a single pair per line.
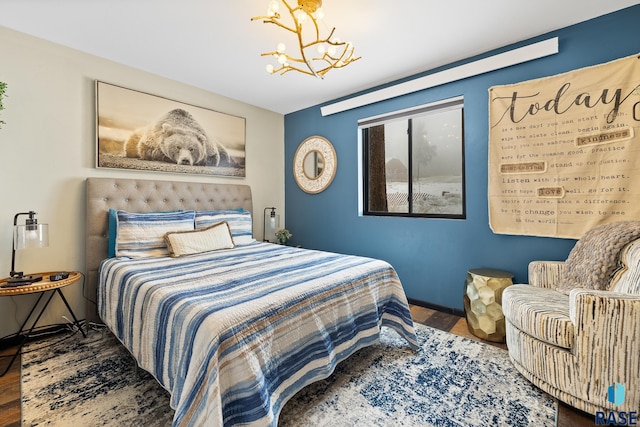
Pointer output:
316, 55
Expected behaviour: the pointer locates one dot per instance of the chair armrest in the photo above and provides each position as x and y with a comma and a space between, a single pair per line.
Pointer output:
588, 307
607, 341
545, 274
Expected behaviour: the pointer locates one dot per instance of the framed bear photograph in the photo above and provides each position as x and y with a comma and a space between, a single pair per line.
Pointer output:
137, 130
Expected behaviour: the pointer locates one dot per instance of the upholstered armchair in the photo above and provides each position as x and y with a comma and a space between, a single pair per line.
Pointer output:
574, 331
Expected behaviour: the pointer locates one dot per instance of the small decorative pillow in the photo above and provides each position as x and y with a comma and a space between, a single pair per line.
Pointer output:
141, 235
113, 232
239, 222
594, 259
213, 238
627, 278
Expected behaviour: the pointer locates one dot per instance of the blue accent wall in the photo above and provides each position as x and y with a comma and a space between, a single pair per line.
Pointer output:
432, 256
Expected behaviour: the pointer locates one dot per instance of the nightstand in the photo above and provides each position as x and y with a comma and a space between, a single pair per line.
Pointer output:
41, 287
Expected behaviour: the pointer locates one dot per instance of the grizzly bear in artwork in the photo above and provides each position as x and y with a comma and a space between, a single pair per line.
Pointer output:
176, 138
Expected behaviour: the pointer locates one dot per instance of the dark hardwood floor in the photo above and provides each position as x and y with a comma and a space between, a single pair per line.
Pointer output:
10, 383
10, 390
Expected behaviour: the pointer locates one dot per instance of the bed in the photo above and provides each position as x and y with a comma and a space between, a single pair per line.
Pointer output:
234, 333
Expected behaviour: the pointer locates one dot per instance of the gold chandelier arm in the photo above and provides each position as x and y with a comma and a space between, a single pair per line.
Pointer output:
291, 9
271, 20
300, 70
303, 53
348, 59
333, 63
328, 38
315, 24
318, 40
290, 58
286, 68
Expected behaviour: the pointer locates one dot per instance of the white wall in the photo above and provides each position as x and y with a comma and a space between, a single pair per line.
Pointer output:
48, 150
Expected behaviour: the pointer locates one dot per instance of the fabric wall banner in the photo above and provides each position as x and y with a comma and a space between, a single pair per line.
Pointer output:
564, 151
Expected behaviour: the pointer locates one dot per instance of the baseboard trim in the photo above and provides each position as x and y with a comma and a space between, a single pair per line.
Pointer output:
442, 308
15, 339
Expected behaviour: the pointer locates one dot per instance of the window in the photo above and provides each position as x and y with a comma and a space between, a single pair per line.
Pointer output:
413, 162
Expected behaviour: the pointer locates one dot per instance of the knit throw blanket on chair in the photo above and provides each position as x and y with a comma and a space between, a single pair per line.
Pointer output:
594, 259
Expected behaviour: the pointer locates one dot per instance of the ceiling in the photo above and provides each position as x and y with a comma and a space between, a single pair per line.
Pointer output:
213, 44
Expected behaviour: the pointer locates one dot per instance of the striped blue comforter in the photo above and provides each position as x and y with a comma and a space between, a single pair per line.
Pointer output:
233, 334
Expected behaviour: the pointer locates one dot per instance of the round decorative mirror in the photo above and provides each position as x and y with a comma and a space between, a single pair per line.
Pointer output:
314, 164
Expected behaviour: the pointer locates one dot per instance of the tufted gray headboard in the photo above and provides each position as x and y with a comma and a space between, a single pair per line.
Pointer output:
138, 195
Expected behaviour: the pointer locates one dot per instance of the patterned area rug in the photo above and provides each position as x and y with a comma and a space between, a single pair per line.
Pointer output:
450, 381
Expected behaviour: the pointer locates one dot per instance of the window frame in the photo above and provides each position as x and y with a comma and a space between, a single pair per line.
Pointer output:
408, 114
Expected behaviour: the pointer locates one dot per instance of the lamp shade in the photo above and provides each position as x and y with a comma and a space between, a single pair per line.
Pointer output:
30, 236
271, 224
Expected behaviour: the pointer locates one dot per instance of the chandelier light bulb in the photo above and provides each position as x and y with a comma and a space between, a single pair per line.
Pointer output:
321, 49
301, 16
281, 47
270, 69
335, 40
282, 59
274, 7
318, 14
332, 50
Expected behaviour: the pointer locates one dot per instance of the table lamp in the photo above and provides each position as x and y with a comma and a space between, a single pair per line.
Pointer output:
29, 235
271, 224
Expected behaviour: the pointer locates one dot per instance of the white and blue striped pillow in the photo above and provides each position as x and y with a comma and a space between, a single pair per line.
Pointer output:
239, 221
141, 235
